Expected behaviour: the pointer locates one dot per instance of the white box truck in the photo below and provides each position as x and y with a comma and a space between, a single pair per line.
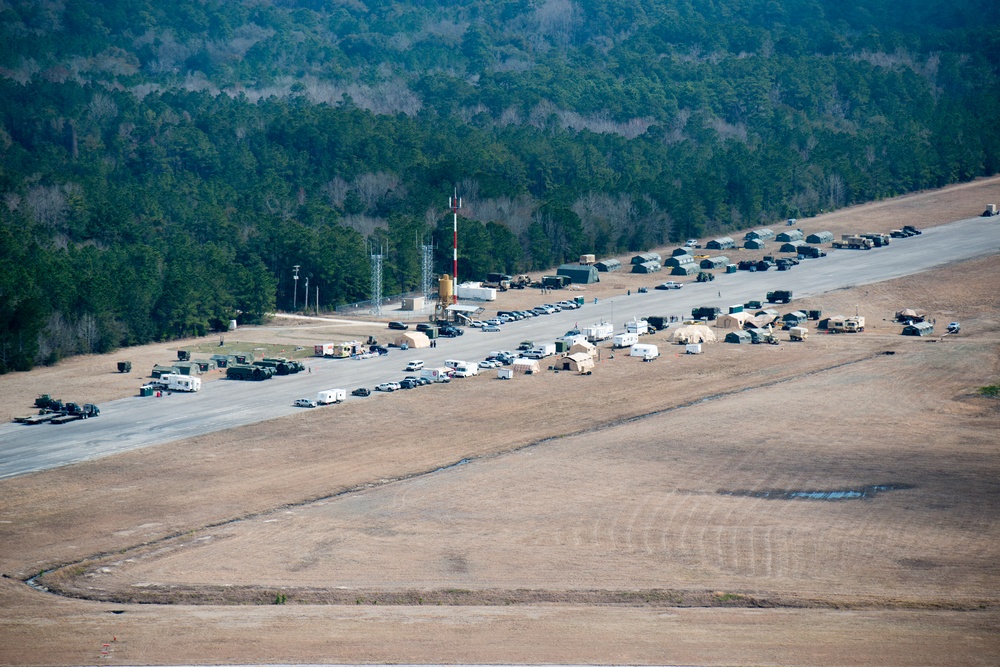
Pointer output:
178, 382
640, 327
541, 351
625, 340
436, 374
328, 396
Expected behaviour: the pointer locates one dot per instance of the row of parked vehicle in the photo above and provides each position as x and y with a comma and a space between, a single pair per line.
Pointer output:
505, 316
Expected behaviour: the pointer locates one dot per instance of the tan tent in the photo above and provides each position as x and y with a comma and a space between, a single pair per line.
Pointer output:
733, 320
583, 347
413, 340
581, 362
525, 365
693, 333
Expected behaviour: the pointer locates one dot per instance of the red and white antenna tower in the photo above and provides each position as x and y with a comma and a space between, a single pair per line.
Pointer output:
455, 203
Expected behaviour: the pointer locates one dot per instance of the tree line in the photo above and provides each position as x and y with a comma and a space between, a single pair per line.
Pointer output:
162, 175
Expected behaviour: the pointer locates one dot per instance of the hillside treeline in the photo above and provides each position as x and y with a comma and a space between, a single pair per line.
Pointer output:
165, 165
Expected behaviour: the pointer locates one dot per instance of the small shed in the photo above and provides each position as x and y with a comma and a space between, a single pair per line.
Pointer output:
693, 333
734, 320
579, 274
790, 235
919, 329
820, 237
791, 246
759, 235
681, 260
412, 303
644, 257
714, 262
413, 340
557, 281
525, 366
738, 337
754, 244
579, 362
646, 267
608, 265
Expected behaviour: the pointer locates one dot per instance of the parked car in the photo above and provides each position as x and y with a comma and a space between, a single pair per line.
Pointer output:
361, 391
540, 311
568, 305
409, 384
414, 365
496, 321
450, 332
305, 403
462, 373
492, 328
387, 386
424, 326
488, 363
670, 284
378, 349
399, 326
477, 324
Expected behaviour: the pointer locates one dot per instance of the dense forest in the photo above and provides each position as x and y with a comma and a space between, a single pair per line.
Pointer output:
165, 164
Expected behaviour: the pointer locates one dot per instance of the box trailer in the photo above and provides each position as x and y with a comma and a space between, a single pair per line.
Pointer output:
644, 350
625, 340
328, 396
324, 349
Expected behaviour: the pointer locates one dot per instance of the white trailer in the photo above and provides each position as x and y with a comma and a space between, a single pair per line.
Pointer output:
598, 332
645, 351
625, 340
328, 396
178, 382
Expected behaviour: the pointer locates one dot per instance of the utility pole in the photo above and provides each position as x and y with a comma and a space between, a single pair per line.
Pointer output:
455, 203
317, 301
295, 291
307, 294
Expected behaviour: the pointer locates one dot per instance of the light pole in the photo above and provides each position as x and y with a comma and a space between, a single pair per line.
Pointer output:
295, 290
307, 294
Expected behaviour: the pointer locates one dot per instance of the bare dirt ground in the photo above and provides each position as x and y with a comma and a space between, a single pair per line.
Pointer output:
640, 515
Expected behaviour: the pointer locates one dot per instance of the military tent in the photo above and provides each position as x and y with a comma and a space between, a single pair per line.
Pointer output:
413, 340
693, 333
525, 365
583, 347
738, 337
579, 362
791, 235
820, 237
733, 320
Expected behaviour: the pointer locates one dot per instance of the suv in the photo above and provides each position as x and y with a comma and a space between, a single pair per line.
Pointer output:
387, 386
450, 332
399, 326
423, 326
361, 391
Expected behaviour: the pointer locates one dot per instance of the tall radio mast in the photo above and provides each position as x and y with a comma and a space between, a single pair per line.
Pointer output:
455, 203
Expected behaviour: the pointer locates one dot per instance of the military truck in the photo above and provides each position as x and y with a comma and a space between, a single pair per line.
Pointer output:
853, 242
705, 313
281, 366
779, 296
248, 372
705, 277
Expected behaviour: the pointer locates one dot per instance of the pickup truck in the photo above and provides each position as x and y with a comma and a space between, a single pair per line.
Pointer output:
670, 284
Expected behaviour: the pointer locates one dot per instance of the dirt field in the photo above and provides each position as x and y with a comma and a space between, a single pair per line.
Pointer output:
642, 515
